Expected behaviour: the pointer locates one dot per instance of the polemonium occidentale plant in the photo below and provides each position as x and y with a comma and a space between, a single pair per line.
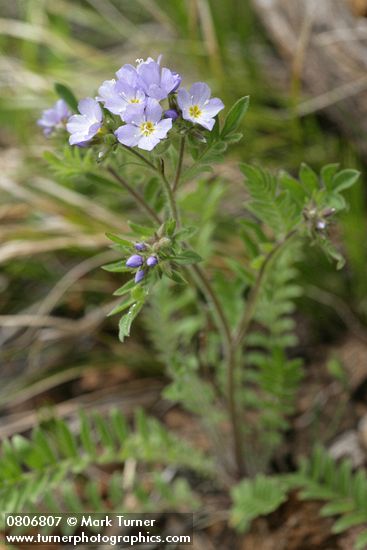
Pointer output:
175, 136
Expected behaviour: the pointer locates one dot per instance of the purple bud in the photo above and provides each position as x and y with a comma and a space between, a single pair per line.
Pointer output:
139, 276
171, 113
152, 261
178, 79
134, 261
139, 246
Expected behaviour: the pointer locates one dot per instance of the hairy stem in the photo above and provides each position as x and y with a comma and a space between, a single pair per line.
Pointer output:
179, 163
137, 196
236, 342
247, 317
170, 198
221, 320
141, 157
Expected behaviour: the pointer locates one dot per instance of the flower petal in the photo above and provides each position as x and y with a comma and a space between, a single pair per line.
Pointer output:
183, 99
153, 110
206, 122
90, 108
200, 93
163, 127
148, 142
77, 123
128, 135
213, 107
134, 113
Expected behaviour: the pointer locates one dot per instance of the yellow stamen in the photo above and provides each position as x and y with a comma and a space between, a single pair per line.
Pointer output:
147, 128
135, 100
195, 111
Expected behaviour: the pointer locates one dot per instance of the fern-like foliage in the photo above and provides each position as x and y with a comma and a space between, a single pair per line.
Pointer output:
31, 467
154, 493
345, 491
270, 378
256, 497
318, 478
269, 202
73, 162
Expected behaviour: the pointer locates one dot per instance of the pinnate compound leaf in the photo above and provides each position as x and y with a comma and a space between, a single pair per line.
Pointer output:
256, 497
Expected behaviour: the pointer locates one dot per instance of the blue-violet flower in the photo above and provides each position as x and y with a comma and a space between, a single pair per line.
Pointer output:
85, 126
117, 95
144, 127
54, 118
155, 81
197, 106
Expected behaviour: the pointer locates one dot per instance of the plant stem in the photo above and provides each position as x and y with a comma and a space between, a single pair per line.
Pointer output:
219, 317
179, 163
247, 317
170, 198
236, 341
141, 157
137, 196
213, 299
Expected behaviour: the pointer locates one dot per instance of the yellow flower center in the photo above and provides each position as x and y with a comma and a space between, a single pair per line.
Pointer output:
147, 128
195, 111
135, 100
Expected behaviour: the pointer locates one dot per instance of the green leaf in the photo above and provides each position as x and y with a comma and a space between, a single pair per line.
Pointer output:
119, 240
361, 541
256, 497
349, 520
117, 267
141, 230
235, 116
309, 179
185, 258
125, 288
327, 173
234, 137
67, 95
296, 191
127, 320
345, 179
186, 233
332, 253
337, 507
169, 227
121, 307
176, 277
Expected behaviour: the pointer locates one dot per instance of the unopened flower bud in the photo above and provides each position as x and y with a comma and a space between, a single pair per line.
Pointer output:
152, 261
171, 113
162, 243
139, 276
178, 79
139, 246
134, 261
328, 212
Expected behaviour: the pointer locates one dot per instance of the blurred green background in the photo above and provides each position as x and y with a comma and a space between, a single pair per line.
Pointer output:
52, 232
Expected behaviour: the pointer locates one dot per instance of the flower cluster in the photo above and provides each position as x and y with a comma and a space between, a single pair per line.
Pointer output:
135, 99
142, 262
54, 118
